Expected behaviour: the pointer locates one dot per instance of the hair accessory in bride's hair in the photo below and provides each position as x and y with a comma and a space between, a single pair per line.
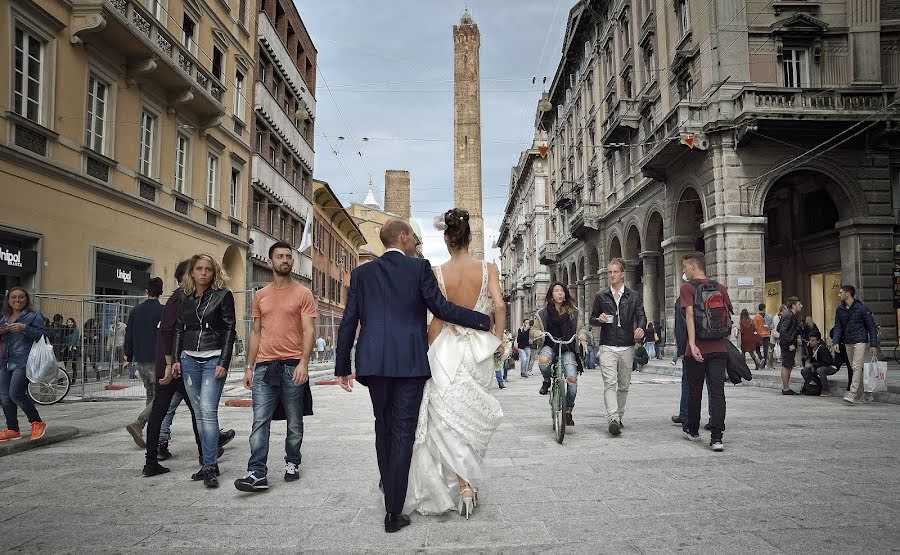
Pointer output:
440, 223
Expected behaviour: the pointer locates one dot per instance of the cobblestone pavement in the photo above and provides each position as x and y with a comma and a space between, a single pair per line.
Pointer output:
798, 475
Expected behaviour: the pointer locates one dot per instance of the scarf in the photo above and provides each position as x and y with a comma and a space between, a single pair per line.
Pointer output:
560, 326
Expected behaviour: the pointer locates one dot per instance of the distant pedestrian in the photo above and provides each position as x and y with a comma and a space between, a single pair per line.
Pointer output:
277, 372
140, 351
56, 333
651, 339
788, 336
854, 327
748, 339
320, 349
204, 339
807, 328
776, 348
20, 327
763, 322
115, 343
707, 308
73, 346
92, 347
524, 346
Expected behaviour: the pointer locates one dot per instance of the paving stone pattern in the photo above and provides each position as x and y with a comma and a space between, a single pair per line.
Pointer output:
798, 475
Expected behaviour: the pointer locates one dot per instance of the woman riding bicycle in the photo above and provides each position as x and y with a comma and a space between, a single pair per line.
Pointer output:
561, 319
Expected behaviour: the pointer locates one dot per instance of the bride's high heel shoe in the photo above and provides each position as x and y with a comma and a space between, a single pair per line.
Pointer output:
467, 503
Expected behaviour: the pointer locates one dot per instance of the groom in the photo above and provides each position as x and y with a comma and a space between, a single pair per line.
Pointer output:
388, 298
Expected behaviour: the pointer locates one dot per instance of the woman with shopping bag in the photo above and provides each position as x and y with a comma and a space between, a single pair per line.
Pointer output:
20, 328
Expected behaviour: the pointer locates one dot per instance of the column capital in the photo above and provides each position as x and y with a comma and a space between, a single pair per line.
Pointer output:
678, 242
650, 255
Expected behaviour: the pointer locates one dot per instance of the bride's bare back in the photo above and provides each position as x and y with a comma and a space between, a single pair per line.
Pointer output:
462, 279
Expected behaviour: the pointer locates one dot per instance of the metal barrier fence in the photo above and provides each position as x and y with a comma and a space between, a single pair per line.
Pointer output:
92, 350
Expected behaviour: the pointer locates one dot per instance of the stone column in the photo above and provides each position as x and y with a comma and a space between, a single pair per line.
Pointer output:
735, 256
592, 286
631, 276
651, 261
867, 261
581, 296
602, 279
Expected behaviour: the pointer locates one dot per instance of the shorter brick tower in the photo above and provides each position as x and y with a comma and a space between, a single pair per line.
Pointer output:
396, 193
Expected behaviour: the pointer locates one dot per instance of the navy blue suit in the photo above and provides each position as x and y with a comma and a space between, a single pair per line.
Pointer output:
388, 298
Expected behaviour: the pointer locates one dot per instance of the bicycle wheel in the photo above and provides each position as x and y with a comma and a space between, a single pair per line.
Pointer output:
559, 423
53, 391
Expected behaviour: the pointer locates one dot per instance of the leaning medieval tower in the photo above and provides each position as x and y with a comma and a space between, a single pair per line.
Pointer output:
467, 128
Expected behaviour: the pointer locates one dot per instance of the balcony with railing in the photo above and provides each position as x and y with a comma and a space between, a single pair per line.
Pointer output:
259, 249
268, 108
547, 253
623, 118
154, 54
755, 102
584, 219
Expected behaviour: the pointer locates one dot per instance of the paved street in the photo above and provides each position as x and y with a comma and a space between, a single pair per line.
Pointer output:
798, 475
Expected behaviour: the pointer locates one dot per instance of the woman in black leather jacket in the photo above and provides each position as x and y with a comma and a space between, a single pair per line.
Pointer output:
204, 338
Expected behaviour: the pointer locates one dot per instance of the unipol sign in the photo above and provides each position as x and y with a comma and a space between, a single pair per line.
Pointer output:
123, 275
11, 257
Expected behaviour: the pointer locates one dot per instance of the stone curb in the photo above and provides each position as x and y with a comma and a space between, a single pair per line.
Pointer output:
773, 382
55, 434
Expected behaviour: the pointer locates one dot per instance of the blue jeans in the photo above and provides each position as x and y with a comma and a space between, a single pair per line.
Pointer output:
13, 396
524, 359
265, 397
570, 371
165, 433
205, 391
682, 408
591, 356
651, 348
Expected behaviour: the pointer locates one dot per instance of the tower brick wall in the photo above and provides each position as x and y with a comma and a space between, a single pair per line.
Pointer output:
467, 128
396, 193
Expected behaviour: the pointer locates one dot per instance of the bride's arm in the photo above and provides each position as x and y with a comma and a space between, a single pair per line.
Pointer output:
497, 297
436, 325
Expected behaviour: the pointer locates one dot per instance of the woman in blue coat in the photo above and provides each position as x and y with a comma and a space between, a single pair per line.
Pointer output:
20, 327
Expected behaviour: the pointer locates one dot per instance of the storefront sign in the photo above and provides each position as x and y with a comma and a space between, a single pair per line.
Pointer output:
120, 276
17, 262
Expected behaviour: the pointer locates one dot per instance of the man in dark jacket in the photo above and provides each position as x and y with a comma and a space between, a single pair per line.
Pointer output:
619, 312
854, 327
820, 362
524, 347
140, 351
788, 332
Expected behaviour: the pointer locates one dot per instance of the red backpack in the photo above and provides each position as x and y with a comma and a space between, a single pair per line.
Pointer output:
712, 315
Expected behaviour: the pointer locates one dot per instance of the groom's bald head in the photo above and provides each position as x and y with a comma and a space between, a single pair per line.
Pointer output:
390, 233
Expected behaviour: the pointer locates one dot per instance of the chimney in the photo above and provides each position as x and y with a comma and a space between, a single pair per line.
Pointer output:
396, 193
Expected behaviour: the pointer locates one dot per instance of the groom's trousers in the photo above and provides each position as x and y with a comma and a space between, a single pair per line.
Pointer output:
396, 404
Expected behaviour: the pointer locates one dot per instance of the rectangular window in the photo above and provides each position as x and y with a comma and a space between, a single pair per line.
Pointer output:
182, 152
95, 123
263, 69
218, 60
212, 177
285, 156
148, 133
273, 155
155, 7
257, 209
293, 235
240, 99
282, 226
795, 71
270, 224
188, 27
276, 86
234, 194
626, 33
684, 18
28, 78
259, 140
242, 12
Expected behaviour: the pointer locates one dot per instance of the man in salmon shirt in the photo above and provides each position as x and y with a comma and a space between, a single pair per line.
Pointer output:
280, 345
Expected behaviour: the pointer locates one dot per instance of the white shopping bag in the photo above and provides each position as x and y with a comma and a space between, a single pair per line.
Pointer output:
875, 376
42, 365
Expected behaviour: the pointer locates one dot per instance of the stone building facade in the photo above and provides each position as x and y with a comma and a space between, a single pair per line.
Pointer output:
336, 240
282, 121
467, 127
123, 142
763, 134
523, 235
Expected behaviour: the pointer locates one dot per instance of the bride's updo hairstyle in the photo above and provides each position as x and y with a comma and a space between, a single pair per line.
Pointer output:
458, 232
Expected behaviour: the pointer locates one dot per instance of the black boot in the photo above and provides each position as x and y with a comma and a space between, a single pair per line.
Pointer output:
163, 452
545, 387
153, 469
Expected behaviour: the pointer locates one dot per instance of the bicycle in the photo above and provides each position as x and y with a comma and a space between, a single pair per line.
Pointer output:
52, 391
558, 390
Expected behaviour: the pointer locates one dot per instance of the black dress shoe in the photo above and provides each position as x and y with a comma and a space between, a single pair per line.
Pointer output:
394, 522
210, 479
163, 452
225, 436
201, 474
381, 486
707, 427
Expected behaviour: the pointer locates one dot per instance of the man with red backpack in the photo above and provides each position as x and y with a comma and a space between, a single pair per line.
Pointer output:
708, 311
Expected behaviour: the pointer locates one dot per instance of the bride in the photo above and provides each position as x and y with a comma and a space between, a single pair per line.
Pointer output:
457, 417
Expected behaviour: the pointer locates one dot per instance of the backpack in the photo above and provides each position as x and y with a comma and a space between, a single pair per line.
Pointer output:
812, 385
712, 315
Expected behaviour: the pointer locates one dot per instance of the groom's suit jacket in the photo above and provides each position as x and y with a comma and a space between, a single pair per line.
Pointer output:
388, 297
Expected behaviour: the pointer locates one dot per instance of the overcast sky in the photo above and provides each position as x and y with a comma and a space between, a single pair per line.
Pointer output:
389, 66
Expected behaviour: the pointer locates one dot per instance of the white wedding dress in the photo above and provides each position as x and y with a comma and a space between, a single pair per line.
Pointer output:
457, 417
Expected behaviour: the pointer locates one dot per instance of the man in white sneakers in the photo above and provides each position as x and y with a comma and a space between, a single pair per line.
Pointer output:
854, 327
280, 345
